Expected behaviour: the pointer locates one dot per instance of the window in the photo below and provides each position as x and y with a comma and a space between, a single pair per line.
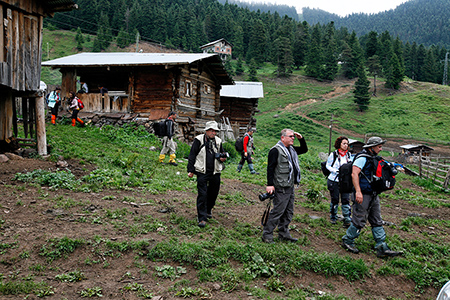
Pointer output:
188, 88
207, 89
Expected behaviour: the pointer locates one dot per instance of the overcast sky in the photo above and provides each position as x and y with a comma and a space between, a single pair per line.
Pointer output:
340, 7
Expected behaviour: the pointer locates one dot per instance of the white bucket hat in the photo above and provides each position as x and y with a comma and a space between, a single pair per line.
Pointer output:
212, 125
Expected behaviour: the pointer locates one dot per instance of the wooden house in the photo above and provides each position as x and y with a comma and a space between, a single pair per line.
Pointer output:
221, 47
20, 67
149, 85
239, 103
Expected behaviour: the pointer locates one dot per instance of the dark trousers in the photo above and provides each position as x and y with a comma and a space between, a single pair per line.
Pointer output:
281, 214
333, 187
244, 159
75, 113
208, 186
55, 109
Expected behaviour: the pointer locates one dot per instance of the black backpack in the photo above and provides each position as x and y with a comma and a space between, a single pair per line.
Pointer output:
160, 128
239, 144
323, 165
382, 179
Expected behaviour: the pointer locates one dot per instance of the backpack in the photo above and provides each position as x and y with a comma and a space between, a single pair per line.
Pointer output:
382, 179
160, 128
80, 103
46, 98
323, 165
239, 144
384, 175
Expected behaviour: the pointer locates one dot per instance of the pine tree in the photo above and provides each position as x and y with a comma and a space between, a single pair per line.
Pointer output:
239, 67
374, 65
361, 91
252, 71
330, 56
79, 39
300, 45
314, 59
257, 43
394, 74
123, 39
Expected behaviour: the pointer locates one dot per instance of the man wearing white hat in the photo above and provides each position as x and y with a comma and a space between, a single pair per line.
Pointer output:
206, 161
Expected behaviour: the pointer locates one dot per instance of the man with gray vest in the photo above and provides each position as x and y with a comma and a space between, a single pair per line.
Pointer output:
206, 161
283, 172
366, 205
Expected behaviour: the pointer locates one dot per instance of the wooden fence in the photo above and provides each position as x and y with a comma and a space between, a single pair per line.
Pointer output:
435, 167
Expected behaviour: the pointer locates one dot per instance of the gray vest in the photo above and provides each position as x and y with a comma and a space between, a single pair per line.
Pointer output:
282, 171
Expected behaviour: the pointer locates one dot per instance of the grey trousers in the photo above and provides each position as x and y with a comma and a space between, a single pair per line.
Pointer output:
368, 210
281, 213
169, 146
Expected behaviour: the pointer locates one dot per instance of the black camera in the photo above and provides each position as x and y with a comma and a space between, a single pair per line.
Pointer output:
266, 196
394, 170
221, 155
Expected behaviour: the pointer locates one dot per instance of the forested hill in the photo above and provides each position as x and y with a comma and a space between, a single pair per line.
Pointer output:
282, 10
422, 21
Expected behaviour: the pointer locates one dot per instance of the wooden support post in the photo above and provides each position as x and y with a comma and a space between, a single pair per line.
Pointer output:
6, 112
420, 163
25, 116
41, 137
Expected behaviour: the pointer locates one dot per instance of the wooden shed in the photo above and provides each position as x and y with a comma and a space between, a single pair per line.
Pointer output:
355, 146
149, 85
20, 67
416, 149
239, 103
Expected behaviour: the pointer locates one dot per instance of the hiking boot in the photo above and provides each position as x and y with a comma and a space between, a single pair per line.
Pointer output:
202, 224
388, 253
173, 164
209, 216
346, 225
350, 248
287, 239
333, 222
267, 240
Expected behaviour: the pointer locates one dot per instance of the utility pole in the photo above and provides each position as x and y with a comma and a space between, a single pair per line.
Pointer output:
48, 52
445, 79
331, 131
137, 42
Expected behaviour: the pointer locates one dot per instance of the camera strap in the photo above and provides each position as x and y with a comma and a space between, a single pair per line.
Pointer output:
265, 216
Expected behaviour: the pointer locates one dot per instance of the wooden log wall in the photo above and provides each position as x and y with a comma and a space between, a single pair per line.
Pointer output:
94, 102
20, 47
239, 110
152, 90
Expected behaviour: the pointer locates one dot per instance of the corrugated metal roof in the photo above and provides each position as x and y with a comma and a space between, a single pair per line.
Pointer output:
417, 147
243, 89
126, 59
352, 141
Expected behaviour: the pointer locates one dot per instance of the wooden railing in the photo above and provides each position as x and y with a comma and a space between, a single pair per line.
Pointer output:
435, 167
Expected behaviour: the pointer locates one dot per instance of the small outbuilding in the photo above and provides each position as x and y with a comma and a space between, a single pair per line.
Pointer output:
240, 103
149, 85
411, 149
355, 146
